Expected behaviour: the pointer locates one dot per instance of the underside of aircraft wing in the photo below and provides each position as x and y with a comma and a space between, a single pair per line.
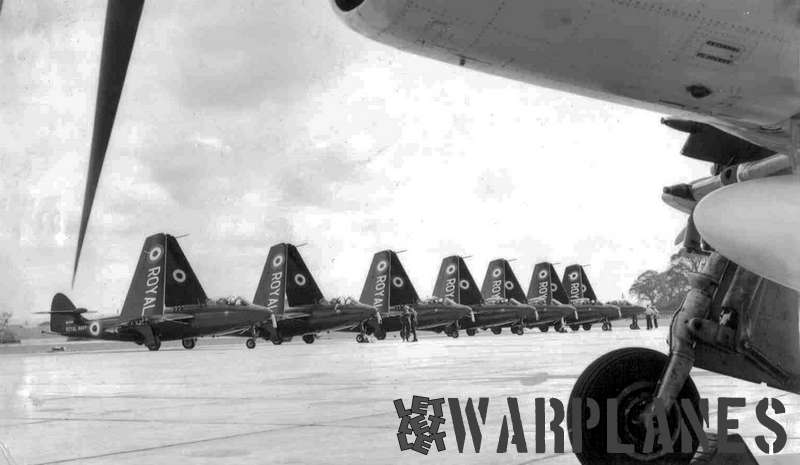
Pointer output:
293, 315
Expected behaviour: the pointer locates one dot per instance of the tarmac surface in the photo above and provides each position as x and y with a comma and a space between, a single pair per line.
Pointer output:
329, 402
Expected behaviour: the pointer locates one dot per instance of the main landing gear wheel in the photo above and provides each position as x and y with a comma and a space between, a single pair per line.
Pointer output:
380, 334
454, 334
309, 338
559, 327
471, 331
360, 338
189, 343
277, 341
497, 330
544, 329
574, 327
606, 326
155, 345
518, 330
250, 343
629, 376
587, 326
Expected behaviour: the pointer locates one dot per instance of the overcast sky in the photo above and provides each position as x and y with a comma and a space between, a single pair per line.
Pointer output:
249, 123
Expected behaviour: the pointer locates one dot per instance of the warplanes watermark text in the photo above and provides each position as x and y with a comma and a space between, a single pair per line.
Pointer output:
422, 424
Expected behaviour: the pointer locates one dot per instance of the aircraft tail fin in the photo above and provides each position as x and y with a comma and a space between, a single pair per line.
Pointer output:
271, 290
62, 310
546, 284
588, 292
577, 286
301, 288
456, 282
182, 287
500, 281
162, 278
387, 284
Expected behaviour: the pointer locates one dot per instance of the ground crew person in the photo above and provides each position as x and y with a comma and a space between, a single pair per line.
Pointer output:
648, 315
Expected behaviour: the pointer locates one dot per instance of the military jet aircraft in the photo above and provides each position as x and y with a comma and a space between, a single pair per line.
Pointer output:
728, 70
581, 295
288, 290
579, 288
547, 295
501, 284
455, 282
165, 301
389, 289
583, 313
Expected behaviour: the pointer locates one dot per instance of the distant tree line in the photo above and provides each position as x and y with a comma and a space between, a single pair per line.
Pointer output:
665, 290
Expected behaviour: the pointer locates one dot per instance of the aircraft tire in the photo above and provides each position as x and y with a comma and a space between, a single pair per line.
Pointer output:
154, 346
471, 331
497, 330
629, 375
189, 343
606, 327
380, 335
277, 341
633, 326
454, 334
309, 338
518, 330
250, 343
574, 327
360, 338
544, 328
587, 326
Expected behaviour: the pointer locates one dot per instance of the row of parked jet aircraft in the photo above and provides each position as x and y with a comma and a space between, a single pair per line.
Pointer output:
166, 301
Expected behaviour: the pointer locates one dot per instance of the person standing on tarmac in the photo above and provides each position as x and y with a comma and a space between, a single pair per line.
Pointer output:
655, 317
412, 324
648, 315
404, 330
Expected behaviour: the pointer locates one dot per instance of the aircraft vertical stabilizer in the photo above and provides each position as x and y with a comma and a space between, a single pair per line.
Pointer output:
545, 283
455, 282
146, 293
387, 283
301, 289
182, 287
573, 279
271, 290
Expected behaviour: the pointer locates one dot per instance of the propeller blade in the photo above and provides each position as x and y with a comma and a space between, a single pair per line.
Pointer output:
755, 224
122, 21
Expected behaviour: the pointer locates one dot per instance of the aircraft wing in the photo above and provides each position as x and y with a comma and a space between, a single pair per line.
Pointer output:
293, 315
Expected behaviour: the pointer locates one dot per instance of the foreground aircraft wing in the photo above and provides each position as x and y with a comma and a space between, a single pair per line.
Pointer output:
293, 315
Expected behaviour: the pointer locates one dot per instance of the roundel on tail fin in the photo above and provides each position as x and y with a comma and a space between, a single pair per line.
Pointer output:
497, 272
155, 253
382, 265
300, 280
451, 268
179, 275
277, 261
543, 274
573, 276
397, 281
553, 287
464, 284
509, 285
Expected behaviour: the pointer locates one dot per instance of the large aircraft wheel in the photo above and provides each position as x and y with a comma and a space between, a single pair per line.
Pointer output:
575, 327
633, 326
471, 331
544, 329
250, 343
587, 326
309, 338
497, 330
155, 345
277, 341
606, 326
189, 343
360, 338
518, 330
380, 335
454, 334
630, 377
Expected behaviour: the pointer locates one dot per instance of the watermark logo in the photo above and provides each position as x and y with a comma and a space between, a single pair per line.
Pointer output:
421, 427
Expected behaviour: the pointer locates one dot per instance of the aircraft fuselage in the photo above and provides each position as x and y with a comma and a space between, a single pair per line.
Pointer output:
732, 63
